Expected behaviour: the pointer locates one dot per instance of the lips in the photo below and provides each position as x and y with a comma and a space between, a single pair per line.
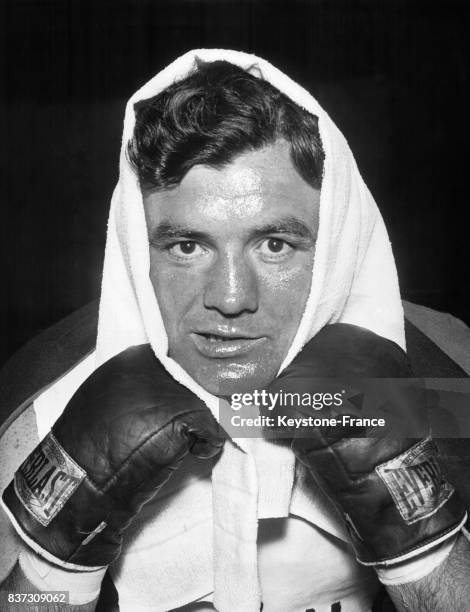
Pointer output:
218, 338
223, 343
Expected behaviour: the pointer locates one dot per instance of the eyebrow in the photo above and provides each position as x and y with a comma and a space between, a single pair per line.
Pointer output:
287, 225
168, 231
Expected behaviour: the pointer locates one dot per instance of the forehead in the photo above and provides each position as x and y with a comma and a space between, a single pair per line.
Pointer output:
257, 185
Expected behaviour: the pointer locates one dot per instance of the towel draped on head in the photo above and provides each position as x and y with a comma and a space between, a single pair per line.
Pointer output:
354, 281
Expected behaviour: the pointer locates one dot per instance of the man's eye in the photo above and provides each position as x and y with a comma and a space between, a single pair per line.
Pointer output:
272, 247
186, 249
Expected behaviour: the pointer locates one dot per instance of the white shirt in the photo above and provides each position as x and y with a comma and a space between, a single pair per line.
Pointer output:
301, 567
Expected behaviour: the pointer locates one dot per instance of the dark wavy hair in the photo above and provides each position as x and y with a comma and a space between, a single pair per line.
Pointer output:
216, 113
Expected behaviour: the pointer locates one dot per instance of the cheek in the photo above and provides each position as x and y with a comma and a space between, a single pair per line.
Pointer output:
286, 292
176, 292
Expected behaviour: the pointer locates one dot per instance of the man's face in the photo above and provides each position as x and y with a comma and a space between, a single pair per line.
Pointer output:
231, 263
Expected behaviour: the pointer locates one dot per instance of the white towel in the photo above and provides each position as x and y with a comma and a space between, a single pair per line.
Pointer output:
354, 281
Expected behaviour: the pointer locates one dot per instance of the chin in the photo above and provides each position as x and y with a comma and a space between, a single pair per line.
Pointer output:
237, 378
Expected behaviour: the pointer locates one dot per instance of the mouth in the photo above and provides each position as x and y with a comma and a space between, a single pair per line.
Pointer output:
225, 345
220, 338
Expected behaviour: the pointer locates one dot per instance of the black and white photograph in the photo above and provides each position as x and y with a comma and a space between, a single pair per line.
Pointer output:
235, 342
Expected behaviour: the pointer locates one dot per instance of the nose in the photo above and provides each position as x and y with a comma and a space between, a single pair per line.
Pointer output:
232, 286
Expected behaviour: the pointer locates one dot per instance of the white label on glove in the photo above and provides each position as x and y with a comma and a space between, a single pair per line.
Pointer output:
416, 482
46, 480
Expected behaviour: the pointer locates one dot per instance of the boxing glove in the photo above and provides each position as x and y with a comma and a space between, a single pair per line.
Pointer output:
119, 439
391, 491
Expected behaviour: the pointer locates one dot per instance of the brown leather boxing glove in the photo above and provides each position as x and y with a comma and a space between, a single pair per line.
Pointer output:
390, 490
119, 439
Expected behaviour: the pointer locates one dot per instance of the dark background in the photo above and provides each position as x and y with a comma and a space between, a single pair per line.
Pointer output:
392, 74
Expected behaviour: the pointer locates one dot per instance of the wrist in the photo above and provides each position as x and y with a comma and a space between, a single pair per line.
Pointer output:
417, 568
83, 587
